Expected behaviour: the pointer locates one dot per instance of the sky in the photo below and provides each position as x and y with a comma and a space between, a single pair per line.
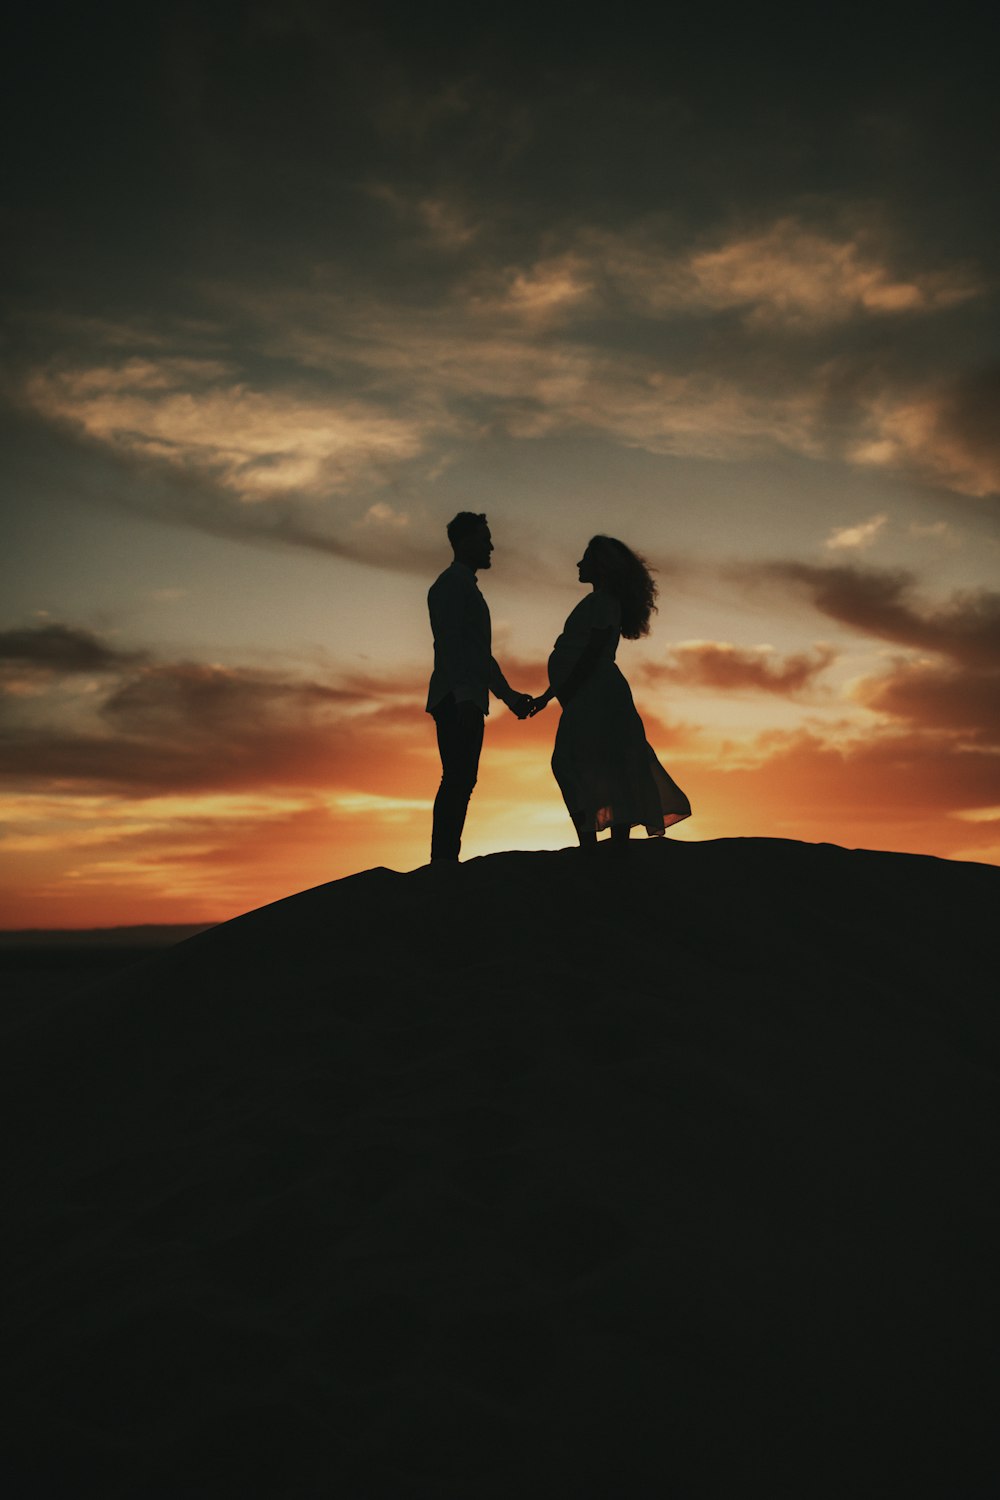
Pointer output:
288, 285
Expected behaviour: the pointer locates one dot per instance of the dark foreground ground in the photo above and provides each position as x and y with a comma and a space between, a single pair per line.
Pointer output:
561, 1179
41, 966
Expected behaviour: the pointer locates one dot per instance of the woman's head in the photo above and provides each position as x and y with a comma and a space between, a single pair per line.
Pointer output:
612, 566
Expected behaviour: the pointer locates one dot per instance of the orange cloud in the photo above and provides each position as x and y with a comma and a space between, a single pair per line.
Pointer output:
785, 274
937, 696
194, 727
722, 666
795, 275
186, 858
856, 538
905, 791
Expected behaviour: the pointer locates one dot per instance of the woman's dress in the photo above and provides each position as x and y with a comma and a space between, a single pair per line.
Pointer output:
606, 770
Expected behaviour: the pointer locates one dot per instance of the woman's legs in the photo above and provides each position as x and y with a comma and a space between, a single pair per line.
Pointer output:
619, 837
588, 840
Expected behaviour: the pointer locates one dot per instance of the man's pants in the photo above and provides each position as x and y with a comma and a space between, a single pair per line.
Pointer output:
460, 739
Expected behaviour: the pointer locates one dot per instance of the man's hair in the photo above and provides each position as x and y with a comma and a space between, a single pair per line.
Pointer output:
463, 523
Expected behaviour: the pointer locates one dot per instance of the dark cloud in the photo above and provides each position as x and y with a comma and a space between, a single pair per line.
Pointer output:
182, 135
954, 693
326, 201
971, 413
196, 700
62, 649
964, 702
968, 427
188, 726
726, 668
881, 603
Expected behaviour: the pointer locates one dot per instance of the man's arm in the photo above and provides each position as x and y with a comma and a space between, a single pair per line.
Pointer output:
518, 703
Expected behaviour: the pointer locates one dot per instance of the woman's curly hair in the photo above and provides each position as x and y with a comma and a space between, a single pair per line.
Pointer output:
626, 575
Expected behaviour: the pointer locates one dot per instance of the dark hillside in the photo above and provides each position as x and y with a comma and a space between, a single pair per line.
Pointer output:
668, 1176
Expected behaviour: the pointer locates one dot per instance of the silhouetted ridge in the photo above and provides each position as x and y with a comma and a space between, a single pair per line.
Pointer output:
543, 1177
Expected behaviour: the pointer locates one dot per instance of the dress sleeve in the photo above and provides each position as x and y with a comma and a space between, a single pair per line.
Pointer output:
576, 644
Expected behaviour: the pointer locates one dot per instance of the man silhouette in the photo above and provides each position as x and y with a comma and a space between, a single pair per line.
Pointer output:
465, 672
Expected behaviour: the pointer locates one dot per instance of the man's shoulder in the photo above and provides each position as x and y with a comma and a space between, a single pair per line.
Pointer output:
439, 585
453, 578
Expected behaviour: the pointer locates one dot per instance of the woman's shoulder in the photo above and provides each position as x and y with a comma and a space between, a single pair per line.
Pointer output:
580, 613
595, 611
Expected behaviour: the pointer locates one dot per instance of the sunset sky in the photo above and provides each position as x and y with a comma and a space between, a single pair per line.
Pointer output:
291, 284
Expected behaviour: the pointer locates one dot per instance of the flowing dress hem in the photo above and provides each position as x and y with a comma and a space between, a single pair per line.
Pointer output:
654, 830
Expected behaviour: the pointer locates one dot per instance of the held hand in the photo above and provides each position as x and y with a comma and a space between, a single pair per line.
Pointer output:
537, 704
521, 705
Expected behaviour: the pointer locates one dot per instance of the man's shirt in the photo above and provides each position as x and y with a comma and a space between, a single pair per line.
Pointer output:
463, 660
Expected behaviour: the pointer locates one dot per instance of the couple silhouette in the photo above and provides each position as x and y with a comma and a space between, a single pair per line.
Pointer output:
606, 770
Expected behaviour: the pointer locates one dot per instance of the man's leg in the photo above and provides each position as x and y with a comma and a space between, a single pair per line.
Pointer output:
460, 740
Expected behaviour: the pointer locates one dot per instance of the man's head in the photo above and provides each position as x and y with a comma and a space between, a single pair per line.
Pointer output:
470, 539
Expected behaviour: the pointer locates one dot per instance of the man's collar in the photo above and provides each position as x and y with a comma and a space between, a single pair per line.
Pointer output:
470, 572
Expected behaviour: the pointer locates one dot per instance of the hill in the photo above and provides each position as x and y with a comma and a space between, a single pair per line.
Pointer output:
39, 964
674, 1175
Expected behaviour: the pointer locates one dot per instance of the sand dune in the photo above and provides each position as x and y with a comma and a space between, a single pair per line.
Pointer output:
660, 1177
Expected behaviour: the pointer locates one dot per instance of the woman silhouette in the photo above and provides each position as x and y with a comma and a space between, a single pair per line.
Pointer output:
606, 770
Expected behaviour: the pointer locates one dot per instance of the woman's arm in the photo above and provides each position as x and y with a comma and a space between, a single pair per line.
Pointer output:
580, 670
